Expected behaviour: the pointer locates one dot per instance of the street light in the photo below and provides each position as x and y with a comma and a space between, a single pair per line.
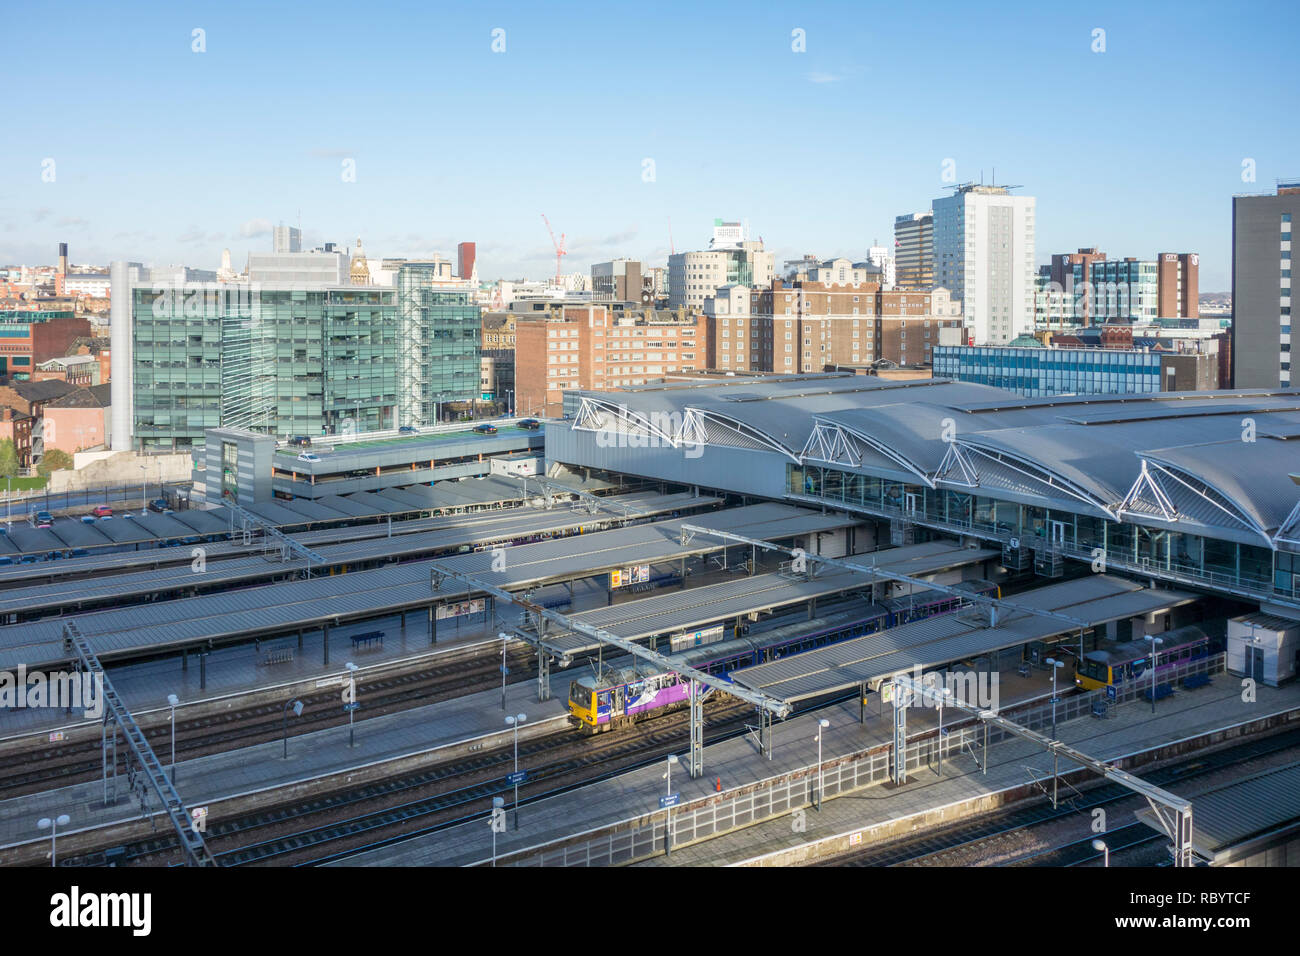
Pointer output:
505, 639
1154, 641
284, 721
515, 722
668, 826
144, 488
45, 823
172, 701
1056, 665
352, 701
822, 724
498, 813
1101, 847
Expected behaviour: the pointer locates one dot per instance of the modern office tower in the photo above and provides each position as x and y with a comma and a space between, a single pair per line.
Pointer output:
1178, 296
287, 239
1072, 274
984, 255
1261, 287
465, 262
298, 268
914, 251
619, 280
881, 258
440, 328
1122, 290
277, 359
730, 260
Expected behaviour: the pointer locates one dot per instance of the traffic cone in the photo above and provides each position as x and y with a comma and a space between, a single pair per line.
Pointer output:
719, 785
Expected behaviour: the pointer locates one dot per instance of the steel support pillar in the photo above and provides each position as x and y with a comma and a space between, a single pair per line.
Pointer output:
900, 733
185, 659
543, 674
765, 733
683, 586
325, 642
862, 704
697, 731
433, 624
203, 670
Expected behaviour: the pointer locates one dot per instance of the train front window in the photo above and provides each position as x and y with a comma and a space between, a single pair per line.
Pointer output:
579, 695
1094, 670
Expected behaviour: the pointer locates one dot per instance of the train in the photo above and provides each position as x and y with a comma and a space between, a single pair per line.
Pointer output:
621, 696
1119, 662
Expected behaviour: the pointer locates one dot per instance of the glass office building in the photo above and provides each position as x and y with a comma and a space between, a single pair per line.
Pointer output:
280, 361
441, 335
1039, 372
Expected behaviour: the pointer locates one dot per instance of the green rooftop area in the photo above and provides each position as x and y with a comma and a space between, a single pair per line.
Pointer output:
400, 440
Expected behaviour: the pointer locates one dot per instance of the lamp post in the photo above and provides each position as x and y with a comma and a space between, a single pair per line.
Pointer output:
45, 823
172, 701
1154, 642
1101, 847
144, 491
352, 701
822, 724
668, 793
498, 818
505, 639
515, 722
284, 721
1055, 665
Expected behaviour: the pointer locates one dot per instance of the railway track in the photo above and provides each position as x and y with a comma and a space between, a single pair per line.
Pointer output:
49, 766
1022, 820
333, 826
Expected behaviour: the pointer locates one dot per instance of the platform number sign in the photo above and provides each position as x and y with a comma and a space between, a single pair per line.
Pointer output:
1110, 691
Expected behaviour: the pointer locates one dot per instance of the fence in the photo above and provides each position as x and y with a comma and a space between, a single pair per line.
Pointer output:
636, 839
128, 492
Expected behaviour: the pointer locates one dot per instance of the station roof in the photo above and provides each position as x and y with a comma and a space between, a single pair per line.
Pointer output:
702, 606
1245, 811
284, 606
1217, 460
939, 640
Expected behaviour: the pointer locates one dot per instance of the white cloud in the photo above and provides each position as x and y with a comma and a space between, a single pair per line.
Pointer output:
255, 227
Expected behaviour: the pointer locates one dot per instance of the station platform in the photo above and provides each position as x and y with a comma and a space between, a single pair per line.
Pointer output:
738, 764
250, 769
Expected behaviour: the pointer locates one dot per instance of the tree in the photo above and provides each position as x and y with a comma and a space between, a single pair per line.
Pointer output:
56, 459
8, 459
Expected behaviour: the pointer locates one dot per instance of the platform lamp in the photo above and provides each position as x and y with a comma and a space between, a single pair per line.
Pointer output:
1154, 642
514, 722
284, 721
352, 701
1101, 847
822, 724
172, 701
497, 821
45, 823
1055, 665
668, 825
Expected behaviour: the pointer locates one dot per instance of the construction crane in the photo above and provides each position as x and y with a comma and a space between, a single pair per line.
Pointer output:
560, 251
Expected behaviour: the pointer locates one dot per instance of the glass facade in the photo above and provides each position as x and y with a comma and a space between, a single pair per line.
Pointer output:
1179, 556
1040, 372
441, 333
275, 361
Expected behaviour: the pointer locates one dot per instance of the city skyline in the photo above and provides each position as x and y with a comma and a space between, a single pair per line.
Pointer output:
451, 141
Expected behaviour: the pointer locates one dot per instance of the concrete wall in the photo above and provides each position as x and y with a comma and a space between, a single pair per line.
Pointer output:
123, 467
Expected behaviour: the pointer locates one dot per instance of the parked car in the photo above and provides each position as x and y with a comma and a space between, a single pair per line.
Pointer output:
300, 441
308, 456
531, 424
102, 511
408, 430
485, 429
44, 519
159, 505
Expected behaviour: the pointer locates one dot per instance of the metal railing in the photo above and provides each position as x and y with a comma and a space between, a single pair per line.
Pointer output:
638, 838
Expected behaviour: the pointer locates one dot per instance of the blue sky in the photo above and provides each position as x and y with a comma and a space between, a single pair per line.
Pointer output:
166, 155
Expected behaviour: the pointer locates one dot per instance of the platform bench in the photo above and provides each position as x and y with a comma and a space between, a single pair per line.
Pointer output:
1197, 680
1162, 691
368, 640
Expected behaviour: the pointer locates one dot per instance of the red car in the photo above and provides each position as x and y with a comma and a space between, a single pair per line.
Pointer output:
102, 511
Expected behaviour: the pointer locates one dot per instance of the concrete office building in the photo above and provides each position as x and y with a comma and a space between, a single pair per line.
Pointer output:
730, 259
914, 251
287, 239
1262, 227
619, 280
984, 255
